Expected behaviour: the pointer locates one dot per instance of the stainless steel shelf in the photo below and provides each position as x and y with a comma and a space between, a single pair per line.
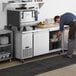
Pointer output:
5, 45
5, 59
5, 56
4, 31
15, 3
6, 50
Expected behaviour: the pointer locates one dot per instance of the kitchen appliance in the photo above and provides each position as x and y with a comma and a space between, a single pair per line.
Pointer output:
23, 43
22, 17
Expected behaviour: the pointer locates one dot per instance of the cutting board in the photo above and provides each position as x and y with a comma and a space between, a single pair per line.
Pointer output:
48, 25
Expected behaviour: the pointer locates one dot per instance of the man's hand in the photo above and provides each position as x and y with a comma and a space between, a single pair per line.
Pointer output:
59, 34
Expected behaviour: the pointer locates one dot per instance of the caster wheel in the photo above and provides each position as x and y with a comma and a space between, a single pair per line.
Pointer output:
22, 61
60, 52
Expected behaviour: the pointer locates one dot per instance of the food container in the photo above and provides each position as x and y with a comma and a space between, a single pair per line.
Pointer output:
54, 36
54, 40
7, 55
4, 55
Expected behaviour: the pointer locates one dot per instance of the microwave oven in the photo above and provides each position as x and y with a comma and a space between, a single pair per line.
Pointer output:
22, 17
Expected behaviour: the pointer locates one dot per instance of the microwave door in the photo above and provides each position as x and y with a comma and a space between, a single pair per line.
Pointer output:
27, 17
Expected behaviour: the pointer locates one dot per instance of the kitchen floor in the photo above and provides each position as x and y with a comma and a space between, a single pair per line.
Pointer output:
66, 71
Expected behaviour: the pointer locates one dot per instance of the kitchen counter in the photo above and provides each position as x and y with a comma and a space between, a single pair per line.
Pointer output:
40, 29
43, 28
36, 42
49, 28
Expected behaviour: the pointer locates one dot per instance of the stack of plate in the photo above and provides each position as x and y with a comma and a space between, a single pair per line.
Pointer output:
4, 40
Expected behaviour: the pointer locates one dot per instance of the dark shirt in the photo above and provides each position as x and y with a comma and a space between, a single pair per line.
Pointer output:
66, 19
